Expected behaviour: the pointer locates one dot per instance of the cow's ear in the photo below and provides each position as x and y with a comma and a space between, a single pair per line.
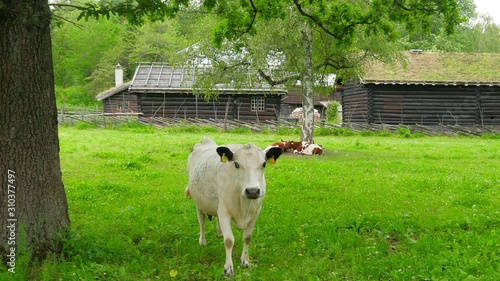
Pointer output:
272, 154
225, 153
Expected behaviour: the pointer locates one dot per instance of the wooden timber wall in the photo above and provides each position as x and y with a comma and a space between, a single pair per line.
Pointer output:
421, 104
182, 105
123, 102
355, 103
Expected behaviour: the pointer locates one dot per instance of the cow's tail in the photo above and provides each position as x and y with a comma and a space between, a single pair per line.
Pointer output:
187, 193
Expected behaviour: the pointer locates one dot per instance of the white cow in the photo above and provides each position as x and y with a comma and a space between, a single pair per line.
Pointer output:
228, 182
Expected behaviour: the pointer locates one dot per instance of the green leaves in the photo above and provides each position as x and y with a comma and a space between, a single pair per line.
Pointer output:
135, 11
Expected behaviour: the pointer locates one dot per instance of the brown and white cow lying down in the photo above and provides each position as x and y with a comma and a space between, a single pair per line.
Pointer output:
228, 182
306, 148
284, 145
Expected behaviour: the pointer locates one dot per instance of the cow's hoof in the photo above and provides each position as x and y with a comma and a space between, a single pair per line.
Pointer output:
245, 264
228, 272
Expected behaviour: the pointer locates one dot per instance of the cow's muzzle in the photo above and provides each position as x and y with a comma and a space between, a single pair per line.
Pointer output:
252, 192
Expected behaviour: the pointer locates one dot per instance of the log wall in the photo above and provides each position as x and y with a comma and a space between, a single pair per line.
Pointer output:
421, 104
355, 104
124, 102
183, 105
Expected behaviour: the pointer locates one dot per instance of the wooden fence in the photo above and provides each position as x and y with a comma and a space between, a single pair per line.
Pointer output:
428, 130
94, 117
97, 118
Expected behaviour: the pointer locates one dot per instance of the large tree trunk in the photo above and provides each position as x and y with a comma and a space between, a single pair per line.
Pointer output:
33, 206
307, 87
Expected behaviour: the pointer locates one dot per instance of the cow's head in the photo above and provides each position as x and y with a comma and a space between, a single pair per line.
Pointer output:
287, 144
296, 146
247, 165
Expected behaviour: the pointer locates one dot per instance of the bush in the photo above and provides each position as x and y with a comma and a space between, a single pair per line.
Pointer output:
404, 132
332, 111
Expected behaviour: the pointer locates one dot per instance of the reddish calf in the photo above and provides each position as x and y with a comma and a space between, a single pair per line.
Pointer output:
305, 148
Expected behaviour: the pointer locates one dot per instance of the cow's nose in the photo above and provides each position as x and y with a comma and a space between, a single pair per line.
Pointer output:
252, 192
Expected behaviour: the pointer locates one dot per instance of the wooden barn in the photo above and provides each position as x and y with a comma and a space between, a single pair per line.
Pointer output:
161, 91
430, 89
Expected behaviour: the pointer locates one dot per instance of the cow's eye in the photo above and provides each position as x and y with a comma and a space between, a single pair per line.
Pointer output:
264, 164
236, 165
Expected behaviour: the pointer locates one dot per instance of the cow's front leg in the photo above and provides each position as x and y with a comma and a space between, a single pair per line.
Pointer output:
201, 221
227, 233
247, 236
219, 232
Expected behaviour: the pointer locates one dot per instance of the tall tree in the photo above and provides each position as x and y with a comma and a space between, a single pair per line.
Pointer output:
340, 23
33, 202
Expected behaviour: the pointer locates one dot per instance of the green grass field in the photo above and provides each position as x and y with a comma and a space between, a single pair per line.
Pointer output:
392, 207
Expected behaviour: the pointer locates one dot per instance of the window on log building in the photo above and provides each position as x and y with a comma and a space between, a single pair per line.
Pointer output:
123, 107
258, 103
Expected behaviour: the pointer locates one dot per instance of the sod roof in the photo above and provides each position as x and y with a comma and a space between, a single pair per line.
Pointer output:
437, 69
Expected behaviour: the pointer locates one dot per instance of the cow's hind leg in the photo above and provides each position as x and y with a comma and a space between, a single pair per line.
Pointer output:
201, 220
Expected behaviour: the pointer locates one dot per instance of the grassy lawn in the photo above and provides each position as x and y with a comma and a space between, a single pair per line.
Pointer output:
369, 208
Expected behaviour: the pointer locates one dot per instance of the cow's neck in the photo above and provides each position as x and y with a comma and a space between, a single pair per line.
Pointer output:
247, 211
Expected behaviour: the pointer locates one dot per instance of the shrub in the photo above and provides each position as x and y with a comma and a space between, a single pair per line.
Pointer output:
332, 111
403, 132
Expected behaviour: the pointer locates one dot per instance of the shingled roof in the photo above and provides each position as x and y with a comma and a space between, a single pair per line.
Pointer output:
159, 77
113, 91
437, 69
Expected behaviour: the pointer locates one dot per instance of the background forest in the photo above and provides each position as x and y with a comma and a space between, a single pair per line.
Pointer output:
85, 52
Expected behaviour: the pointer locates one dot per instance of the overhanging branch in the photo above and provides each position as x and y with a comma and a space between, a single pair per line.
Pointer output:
254, 10
273, 82
346, 29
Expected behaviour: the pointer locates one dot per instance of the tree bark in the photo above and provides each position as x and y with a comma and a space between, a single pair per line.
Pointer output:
33, 206
307, 130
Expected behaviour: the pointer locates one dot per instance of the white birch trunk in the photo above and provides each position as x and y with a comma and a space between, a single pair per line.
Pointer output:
307, 130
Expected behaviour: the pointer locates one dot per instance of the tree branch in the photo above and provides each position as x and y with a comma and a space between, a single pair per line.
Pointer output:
249, 27
73, 23
321, 25
67, 6
273, 82
315, 20
254, 9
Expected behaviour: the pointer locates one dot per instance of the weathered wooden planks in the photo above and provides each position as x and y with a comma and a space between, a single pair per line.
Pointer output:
421, 104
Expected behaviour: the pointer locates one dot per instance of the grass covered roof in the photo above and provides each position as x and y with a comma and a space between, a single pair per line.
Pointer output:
437, 68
